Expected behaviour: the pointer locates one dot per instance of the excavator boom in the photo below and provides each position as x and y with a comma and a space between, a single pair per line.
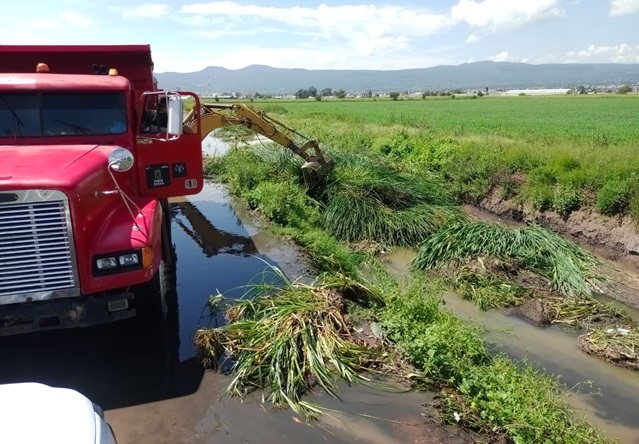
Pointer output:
211, 117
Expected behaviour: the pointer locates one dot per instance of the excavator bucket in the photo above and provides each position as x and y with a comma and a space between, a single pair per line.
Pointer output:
315, 170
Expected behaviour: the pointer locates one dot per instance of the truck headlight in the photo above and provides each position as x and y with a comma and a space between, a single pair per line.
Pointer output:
104, 263
117, 262
129, 259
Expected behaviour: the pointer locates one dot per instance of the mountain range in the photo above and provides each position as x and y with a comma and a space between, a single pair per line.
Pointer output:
477, 75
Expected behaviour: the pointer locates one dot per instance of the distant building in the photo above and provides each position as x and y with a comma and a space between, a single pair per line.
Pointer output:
535, 92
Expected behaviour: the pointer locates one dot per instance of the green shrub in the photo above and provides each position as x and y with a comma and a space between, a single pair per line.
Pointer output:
565, 161
566, 199
613, 198
633, 209
398, 147
437, 342
232, 169
528, 404
284, 202
543, 175
439, 153
541, 197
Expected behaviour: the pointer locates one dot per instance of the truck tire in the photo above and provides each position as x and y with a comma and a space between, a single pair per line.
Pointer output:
150, 298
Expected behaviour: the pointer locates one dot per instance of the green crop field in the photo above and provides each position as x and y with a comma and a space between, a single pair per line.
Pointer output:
609, 118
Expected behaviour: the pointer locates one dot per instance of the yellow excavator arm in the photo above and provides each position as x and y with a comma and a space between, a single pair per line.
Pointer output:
212, 117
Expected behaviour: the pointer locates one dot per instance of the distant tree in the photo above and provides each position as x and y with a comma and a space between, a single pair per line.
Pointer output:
480, 93
581, 90
368, 94
318, 98
624, 89
216, 98
424, 94
394, 95
306, 93
302, 94
327, 92
340, 94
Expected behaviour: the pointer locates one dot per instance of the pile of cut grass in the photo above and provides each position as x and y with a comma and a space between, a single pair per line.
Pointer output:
284, 340
617, 345
571, 269
486, 290
581, 313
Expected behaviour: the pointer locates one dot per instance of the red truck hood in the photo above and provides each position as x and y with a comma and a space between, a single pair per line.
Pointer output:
49, 166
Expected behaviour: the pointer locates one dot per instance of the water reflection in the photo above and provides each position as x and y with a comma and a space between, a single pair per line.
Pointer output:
211, 239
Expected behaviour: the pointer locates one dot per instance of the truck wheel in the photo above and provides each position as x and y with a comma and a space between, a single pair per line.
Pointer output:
150, 298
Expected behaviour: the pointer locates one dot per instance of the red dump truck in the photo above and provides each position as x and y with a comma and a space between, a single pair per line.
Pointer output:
90, 150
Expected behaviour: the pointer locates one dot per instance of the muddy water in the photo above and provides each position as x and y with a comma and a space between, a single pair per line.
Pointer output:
219, 253
611, 403
213, 146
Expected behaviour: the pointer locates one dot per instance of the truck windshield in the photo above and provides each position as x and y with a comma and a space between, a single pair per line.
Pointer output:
61, 113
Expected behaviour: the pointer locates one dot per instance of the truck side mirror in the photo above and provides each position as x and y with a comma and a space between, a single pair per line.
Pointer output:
161, 115
175, 110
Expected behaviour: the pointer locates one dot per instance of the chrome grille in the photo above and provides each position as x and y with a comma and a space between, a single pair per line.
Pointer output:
37, 257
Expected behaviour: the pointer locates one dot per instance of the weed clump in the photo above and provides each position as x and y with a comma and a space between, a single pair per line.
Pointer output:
368, 200
284, 340
617, 345
571, 269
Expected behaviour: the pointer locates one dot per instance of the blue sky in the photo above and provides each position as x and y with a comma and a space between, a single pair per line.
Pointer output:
347, 34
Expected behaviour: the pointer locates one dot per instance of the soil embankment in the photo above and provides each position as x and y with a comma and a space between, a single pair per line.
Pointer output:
614, 239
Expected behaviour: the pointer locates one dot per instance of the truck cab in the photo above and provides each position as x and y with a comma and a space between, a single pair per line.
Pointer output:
90, 151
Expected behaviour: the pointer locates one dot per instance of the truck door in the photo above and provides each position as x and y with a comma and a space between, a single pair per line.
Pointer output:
169, 156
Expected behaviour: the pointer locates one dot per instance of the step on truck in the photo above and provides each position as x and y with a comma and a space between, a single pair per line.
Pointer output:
90, 150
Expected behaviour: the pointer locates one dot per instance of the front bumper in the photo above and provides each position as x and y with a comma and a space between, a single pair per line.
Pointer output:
56, 314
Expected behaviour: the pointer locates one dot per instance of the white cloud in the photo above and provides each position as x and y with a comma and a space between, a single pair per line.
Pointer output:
147, 10
73, 18
366, 29
473, 38
622, 53
623, 7
501, 57
500, 15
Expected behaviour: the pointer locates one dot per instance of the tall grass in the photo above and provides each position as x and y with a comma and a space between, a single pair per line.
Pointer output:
368, 200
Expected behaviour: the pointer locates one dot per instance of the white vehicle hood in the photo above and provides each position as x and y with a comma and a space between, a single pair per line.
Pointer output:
36, 413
